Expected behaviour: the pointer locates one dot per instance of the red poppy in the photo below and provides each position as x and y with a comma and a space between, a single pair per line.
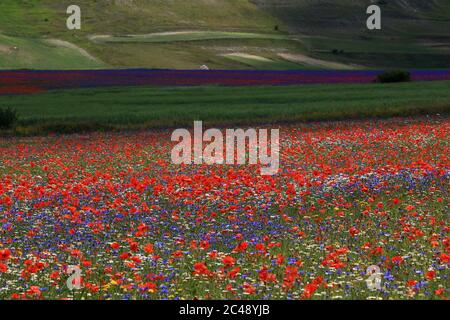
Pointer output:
5, 254
397, 259
200, 268
439, 291
34, 291
411, 283
445, 258
242, 246
309, 290
134, 246
75, 253
148, 248
228, 261
233, 273
177, 254
204, 245
3, 268
266, 276
124, 256
430, 275
149, 286
353, 231
280, 259
249, 289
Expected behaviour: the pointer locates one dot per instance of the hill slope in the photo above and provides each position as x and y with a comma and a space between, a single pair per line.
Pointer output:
280, 33
415, 33
47, 18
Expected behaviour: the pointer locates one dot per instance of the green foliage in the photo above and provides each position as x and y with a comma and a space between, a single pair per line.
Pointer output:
394, 76
8, 117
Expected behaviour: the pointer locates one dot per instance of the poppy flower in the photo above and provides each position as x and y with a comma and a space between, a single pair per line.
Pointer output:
134, 246
309, 290
148, 248
228, 261
242, 246
353, 231
266, 276
397, 259
177, 254
439, 291
124, 255
204, 245
430, 275
445, 258
233, 273
3, 268
115, 245
75, 253
200, 268
5, 254
249, 289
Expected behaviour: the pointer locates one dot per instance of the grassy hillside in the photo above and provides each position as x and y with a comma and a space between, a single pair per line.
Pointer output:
47, 18
415, 33
26, 53
127, 33
137, 107
37, 17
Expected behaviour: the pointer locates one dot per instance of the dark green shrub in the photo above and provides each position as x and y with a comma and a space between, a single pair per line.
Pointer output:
337, 51
394, 76
8, 117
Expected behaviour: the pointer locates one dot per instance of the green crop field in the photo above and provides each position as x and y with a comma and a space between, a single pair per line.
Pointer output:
155, 107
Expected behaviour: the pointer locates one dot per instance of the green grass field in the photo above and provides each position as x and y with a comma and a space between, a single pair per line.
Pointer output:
151, 107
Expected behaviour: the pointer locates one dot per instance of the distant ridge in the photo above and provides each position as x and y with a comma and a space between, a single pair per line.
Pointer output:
415, 33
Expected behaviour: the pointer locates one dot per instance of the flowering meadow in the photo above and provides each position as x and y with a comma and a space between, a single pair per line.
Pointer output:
349, 195
37, 81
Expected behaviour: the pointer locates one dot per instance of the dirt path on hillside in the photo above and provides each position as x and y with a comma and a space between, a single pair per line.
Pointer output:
300, 58
167, 33
69, 45
5, 48
247, 56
